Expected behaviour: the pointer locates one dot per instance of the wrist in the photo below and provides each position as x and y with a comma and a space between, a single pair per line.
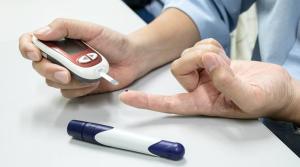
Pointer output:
144, 60
163, 40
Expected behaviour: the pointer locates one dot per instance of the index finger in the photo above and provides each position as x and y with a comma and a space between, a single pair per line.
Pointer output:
28, 49
177, 104
75, 29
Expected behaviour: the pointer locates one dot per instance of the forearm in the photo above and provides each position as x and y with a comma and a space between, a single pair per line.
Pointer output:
164, 39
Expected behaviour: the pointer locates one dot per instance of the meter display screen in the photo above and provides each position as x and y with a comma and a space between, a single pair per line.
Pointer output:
70, 46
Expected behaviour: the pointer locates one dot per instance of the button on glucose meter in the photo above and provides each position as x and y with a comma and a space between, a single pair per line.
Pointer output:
84, 59
92, 56
78, 57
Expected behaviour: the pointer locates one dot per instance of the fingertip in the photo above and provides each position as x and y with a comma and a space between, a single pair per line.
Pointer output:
134, 98
125, 95
28, 49
121, 96
62, 76
52, 71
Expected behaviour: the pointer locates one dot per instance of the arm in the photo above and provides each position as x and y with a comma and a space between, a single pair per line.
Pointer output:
213, 18
181, 25
130, 57
140, 52
164, 39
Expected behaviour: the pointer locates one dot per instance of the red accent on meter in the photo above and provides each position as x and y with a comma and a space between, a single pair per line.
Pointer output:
76, 51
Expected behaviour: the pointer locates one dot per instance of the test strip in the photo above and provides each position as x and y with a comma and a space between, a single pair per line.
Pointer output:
109, 79
112, 137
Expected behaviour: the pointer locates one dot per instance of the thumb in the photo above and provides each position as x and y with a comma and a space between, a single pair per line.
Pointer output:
227, 82
75, 29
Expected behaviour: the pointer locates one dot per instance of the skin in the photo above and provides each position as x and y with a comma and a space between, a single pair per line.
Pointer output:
219, 87
216, 86
130, 61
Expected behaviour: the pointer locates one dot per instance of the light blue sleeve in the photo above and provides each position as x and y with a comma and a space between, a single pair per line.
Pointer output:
213, 18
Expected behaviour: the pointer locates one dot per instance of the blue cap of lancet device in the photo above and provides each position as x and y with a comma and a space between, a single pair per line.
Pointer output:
85, 131
167, 149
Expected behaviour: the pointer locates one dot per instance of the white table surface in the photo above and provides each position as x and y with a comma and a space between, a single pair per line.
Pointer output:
33, 117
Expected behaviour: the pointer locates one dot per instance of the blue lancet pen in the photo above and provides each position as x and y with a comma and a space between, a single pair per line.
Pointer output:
112, 137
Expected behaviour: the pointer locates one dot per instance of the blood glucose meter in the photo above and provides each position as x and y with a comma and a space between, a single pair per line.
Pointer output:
85, 63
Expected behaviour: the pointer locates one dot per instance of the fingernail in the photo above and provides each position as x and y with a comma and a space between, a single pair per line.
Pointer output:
43, 30
61, 76
33, 56
210, 63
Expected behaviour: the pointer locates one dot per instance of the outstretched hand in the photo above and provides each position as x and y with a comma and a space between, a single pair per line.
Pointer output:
217, 86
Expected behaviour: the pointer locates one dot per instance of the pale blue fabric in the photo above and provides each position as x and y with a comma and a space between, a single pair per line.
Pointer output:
278, 26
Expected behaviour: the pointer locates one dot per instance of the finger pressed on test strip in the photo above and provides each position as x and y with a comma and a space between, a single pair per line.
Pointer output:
112, 137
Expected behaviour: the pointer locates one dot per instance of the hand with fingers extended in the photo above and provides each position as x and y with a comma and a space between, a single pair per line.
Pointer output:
219, 87
125, 66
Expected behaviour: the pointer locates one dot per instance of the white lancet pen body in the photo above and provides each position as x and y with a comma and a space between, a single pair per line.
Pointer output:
112, 137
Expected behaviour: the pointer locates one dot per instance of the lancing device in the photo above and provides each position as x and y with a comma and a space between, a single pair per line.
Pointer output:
85, 63
109, 136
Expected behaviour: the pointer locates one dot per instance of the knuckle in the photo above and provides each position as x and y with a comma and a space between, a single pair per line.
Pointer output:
209, 41
22, 36
59, 20
213, 42
198, 43
174, 66
185, 51
210, 48
22, 44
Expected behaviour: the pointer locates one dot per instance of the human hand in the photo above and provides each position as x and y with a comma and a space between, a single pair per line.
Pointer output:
219, 87
125, 65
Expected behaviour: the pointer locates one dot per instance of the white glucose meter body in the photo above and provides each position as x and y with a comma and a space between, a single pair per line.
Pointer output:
85, 64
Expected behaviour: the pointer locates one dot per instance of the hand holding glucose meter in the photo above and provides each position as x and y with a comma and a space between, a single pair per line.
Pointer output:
86, 64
